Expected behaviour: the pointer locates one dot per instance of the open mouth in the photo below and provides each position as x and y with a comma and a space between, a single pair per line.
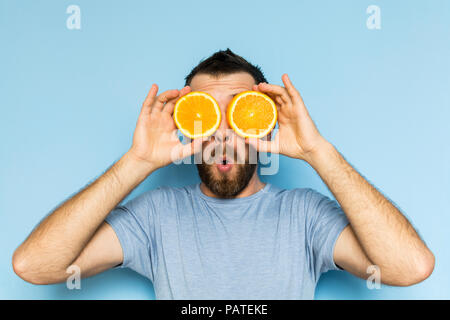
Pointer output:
224, 165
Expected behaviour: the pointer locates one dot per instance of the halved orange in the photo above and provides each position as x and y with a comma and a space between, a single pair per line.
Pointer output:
252, 114
197, 114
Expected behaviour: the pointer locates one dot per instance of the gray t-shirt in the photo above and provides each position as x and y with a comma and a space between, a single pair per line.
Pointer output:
273, 244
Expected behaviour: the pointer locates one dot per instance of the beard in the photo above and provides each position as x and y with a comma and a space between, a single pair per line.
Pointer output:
226, 185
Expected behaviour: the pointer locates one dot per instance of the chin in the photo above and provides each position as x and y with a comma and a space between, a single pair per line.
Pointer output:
226, 184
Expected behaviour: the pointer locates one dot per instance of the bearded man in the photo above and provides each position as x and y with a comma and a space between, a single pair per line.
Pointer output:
230, 236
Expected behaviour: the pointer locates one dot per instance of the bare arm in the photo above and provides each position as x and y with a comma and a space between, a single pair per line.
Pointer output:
60, 238
385, 235
378, 233
75, 233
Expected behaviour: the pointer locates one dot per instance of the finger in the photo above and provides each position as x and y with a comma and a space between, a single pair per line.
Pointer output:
150, 96
275, 98
163, 98
194, 147
185, 90
170, 106
275, 90
293, 93
262, 145
278, 100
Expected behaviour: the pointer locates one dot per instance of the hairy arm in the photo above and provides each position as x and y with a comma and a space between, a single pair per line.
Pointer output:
58, 241
378, 233
75, 233
386, 237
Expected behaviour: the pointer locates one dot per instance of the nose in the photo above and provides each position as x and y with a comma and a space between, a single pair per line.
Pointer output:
224, 132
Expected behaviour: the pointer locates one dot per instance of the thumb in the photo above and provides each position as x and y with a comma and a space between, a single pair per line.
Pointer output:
262, 145
194, 147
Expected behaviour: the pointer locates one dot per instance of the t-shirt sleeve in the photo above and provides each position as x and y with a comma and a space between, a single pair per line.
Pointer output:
133, 224
325, 221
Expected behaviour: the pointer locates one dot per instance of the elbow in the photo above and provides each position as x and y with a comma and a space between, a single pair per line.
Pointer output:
423, 268
426, 267
22, 269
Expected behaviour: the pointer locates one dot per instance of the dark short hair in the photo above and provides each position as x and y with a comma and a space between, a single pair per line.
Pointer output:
225, 62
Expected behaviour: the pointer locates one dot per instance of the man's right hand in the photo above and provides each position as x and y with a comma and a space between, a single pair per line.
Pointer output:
76, 233
155, 142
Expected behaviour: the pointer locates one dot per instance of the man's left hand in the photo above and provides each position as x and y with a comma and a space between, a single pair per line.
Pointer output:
297, 135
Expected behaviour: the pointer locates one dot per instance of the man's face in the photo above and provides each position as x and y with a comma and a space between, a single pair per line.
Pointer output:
225, 167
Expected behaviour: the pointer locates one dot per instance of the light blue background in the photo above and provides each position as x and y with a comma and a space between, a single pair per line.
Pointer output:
70, 100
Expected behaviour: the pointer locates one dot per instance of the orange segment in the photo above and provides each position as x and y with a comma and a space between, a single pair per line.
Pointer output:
252, 114
197, 114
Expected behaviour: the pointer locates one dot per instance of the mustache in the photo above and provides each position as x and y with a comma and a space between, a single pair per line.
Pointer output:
235, 153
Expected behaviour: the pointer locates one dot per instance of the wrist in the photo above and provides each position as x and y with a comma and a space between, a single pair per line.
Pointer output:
323, 153
139, 167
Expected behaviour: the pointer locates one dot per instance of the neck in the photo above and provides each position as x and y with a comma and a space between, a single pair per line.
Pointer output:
252, 187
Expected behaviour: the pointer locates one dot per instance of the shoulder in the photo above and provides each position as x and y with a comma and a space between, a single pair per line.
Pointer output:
296, 194
300, 199
163, 193
157, 198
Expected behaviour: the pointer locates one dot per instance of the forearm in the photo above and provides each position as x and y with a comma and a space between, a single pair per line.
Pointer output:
385, 235
58, 240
